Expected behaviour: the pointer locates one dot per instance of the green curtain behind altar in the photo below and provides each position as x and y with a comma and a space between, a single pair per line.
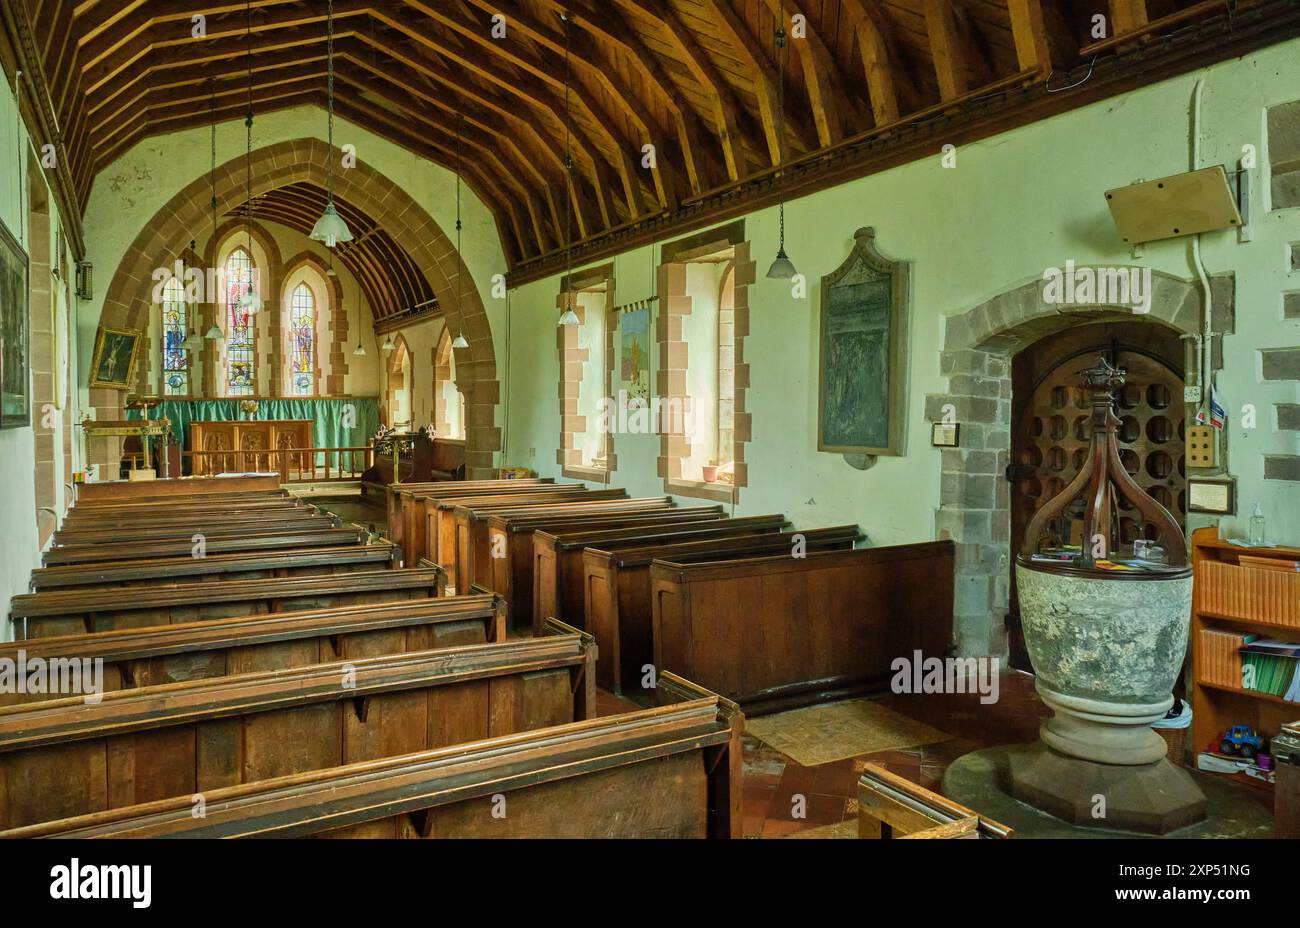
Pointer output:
349, 422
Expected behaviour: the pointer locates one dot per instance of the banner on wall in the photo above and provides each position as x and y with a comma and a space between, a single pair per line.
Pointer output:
634, 356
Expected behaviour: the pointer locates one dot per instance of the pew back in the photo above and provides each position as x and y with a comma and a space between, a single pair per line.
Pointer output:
134, 658
341, 558
71, 756
616, 590
780, 631
557, 553
76, 612
673, 771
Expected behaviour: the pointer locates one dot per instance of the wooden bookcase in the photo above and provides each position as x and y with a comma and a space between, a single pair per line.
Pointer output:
1227, 597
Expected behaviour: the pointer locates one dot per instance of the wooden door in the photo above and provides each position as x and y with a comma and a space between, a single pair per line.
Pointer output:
1051, 436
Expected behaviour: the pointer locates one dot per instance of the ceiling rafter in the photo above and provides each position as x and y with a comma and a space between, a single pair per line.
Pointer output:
700, 80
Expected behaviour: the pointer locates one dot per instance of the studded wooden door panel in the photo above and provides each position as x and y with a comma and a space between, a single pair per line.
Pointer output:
1052, 437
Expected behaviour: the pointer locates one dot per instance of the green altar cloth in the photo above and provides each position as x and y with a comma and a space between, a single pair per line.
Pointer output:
337, 423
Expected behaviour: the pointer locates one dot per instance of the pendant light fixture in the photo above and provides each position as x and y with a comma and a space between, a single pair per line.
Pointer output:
569, 317
330, 228
459, 341
252, 299
214, 333
389, 344
782, 268
360, 350
192, 340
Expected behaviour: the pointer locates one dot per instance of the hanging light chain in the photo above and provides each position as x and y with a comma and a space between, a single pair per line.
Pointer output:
329, 53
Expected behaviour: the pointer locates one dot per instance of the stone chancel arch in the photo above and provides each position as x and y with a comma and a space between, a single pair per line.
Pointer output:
127, 301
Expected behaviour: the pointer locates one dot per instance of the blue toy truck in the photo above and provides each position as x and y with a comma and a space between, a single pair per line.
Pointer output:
1241, 740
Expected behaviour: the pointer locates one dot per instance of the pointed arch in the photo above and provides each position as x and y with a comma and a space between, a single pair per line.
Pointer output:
366, 189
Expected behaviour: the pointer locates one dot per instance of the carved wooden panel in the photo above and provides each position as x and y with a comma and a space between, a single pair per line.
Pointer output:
1052, 438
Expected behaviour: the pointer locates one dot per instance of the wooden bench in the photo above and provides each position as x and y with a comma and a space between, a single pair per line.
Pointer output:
617, 604
398, 499
307, 520
76, 612
162, 514
669, 772
249, 565
890, 806
775, 632
508, 568
172, 549
411, 506
469, 532
134, 658
176, 488
557, 554
74, 756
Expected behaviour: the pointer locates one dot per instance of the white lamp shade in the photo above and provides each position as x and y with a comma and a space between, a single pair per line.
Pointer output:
361, 351
389, 344
330, 228
569, 317
213, 334
782, 268
459, 342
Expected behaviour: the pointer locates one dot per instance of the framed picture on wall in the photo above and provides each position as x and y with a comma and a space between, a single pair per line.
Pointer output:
862, 391
15, 345
113, 362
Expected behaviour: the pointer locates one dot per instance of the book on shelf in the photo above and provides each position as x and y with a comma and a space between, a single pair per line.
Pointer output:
1269, 563
1271, 666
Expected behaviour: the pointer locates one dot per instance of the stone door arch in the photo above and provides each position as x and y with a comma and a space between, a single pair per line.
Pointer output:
974, 499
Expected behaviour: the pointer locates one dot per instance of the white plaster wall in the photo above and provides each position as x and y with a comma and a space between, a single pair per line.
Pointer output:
1015, 204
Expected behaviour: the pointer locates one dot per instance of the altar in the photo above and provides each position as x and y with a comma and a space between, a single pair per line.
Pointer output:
248, 446
220, 436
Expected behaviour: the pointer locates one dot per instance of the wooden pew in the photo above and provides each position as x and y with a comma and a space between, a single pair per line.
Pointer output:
74, 756
175, 488
557, 554
297, 522
136, 658
669, 772
510, 561
397, 497
780, 631
473, 550
76, 612
616, 591
890, 806
163, 514
337, 560
410, 507
127, 550
440, 513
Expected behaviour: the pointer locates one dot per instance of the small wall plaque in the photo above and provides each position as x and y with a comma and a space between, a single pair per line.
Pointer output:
1218, 497
945, 435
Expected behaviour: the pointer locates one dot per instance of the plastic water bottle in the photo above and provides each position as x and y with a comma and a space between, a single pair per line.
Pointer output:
1257, 526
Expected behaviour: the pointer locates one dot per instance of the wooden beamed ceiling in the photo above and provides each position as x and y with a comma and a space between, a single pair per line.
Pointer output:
699, 80
391, 280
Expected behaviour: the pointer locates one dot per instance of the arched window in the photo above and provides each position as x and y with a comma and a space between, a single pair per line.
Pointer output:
302, 342
241, 338
176, 360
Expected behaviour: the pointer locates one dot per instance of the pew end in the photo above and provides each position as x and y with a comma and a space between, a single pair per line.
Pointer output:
890, 806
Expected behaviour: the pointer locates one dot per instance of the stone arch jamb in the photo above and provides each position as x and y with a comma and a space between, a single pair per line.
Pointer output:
974, 499
127, 302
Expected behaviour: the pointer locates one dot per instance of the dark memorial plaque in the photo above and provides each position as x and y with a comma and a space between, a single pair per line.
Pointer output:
863, 383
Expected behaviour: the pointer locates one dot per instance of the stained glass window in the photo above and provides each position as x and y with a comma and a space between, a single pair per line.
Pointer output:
241, 340
176, 360
302, 341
